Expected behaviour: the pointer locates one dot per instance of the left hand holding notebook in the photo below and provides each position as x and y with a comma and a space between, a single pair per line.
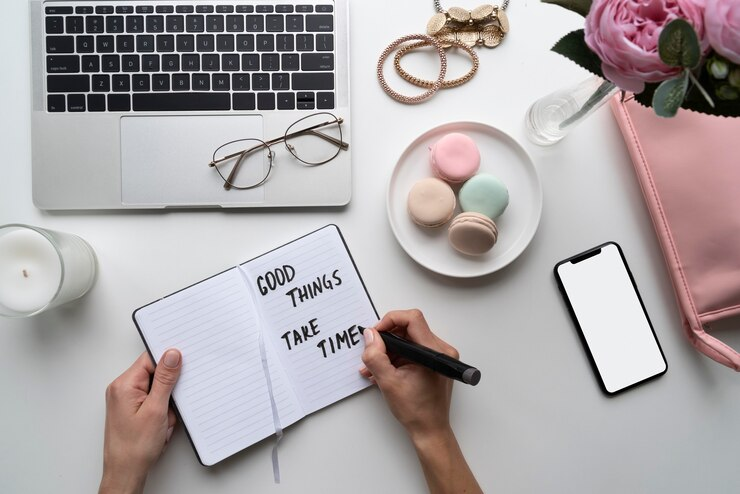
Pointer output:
138, 422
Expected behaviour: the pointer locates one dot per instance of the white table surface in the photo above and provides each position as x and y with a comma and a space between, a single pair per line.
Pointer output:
537, 422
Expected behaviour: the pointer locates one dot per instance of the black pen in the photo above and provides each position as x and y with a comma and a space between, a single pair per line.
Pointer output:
431, 359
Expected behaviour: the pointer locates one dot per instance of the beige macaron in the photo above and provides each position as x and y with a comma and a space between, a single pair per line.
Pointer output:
431, 202
473, 234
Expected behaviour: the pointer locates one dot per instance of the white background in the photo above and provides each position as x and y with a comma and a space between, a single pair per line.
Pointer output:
536, 423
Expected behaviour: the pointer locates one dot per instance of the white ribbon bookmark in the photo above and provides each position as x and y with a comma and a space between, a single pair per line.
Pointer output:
266, 370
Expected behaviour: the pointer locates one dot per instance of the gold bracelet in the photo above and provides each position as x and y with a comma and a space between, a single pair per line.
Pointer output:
434, 86
416, 81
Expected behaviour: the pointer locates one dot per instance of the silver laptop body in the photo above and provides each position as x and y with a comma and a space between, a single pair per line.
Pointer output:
92, 152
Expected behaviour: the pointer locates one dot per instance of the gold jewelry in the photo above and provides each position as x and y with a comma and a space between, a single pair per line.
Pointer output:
485, 25
424, 83
429, 40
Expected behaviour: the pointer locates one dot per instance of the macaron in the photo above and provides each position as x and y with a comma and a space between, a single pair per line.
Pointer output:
473, 234
484, 194
431, 202
455, 158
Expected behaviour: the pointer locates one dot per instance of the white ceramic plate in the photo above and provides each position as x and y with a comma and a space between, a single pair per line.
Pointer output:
501, 156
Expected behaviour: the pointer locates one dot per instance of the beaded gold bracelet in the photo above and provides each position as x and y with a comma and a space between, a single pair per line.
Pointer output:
427, 84
428, 40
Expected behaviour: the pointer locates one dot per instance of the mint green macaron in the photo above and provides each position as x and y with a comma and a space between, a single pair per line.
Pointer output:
484, 194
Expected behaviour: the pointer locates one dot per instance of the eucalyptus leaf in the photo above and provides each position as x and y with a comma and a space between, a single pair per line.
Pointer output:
573, 46
678, 45
670, 95
578, 6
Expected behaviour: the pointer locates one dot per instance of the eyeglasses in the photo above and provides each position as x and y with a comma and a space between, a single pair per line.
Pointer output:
313, 140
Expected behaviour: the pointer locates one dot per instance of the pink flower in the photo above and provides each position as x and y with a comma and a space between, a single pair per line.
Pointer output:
624, 34
722, 22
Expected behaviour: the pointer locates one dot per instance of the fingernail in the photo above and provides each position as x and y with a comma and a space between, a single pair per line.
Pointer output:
369, 336
171, 358
169, 433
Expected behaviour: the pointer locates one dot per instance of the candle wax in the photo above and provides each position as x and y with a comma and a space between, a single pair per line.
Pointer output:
30, 271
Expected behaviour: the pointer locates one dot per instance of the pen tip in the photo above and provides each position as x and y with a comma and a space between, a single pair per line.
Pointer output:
361, 328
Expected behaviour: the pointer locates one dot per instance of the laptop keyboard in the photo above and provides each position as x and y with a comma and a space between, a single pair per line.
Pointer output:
189, 57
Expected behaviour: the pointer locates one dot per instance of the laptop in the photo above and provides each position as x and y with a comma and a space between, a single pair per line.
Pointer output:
133, 102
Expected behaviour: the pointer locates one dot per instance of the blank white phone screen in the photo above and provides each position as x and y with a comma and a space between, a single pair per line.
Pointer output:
612, 319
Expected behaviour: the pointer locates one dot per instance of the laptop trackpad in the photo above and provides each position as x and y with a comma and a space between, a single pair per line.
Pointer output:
164, 159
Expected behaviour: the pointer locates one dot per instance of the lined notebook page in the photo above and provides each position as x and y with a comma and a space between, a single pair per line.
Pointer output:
311, 298
222, 392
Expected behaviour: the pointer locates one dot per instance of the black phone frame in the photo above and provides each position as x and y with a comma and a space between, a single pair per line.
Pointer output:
594, 251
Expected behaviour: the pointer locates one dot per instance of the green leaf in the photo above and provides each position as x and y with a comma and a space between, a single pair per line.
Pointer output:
670, 95
678, 45
573, 46
578, 6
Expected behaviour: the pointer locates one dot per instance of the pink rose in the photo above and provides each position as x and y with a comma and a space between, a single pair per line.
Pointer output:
624, 34
722, 22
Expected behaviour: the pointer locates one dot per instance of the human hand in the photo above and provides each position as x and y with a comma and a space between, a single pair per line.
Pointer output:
138, 421
418, 397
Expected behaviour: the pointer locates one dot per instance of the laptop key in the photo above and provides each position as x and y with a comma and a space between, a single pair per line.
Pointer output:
150, 63
305, 100
215, 23
114, 24
165, 43
286, 101
58, 10
62, 64
205, 43
230, 62
94, 24
274, 23
266, 9
145, 43
121, 83
154, 24
185, 43
324, 8
190, 63
130, 63
201, 82
170, 63
135, 24
224, 9
265, 42
165, 9
96, 102
255, 23
250, 62
56, 103
265, 101
119, 102
60, 44
320, 22
324, 42
181, 101
290, 61
185, 9
111, 63
244, 101
324, 101
104, 9
125, 44
101, 83
317, 61
270, 62
304, 42
195, 24
260, 82
284, 42
240, 82
54, 25
160, 82
245, 42
313, 81
124, 9
105, 44
76, 102
294, 23
68, 83
85, 44
211, 63
225, 42
284, 9
280, 82
244, 9
234, 23
175, 23
75, 25
220, 82
180, 82
140, 82
90, 63
84, 10
144, 9
204, 9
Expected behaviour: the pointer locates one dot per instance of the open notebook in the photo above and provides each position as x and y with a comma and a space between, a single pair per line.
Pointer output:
264, 343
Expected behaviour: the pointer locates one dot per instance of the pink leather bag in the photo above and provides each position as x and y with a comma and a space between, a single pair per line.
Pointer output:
689, 171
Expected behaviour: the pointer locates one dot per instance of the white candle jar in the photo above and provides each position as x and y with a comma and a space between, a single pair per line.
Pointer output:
41, 269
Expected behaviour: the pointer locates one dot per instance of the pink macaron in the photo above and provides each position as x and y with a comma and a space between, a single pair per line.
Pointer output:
455, 158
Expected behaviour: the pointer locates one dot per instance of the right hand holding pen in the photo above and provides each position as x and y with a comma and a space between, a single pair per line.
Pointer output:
418, 397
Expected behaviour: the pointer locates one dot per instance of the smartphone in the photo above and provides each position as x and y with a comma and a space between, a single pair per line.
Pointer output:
610, 316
